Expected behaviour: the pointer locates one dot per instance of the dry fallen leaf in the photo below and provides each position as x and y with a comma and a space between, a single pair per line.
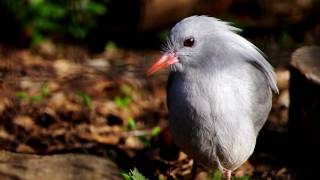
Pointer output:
58, 100
65, 68
24, 121
105, 108
244, 169
4, 102
133, 143
182, 156
105, 135
23, 148
283, 98
5, 135
283, 76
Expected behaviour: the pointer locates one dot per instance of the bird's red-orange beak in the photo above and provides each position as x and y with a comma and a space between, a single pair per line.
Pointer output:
163, 62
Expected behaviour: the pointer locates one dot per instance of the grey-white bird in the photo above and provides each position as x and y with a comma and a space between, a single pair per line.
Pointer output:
219, 91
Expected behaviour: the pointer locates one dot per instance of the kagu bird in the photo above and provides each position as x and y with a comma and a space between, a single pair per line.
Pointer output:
219, 92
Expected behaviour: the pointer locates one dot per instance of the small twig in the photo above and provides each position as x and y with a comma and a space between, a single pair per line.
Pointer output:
137, 133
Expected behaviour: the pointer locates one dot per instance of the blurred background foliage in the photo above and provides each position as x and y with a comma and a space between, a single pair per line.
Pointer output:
41, 19
145, 23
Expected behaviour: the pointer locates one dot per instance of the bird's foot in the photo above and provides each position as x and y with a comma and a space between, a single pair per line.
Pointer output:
227, 174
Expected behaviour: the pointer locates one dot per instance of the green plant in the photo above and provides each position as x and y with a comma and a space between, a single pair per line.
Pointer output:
244, 178
125, 99
146, 141
126, 176
45, 90
126, 89
37, 98
111, 46
22, 95
132, 124
122, 101
215, 175
86, 99
155, 131
161, 177
134, 175
46, 18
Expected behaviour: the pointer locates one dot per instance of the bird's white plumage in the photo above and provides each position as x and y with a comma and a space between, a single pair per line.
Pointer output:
219, 94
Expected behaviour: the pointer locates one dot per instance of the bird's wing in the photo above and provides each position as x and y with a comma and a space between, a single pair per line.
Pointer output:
267, 70
261, 97
253, 55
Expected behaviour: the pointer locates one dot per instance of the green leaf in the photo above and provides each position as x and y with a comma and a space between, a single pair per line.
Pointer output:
45, 90
37, 38
37, 98
146, 142
122, 101
244, 178
126, 100
45, 25
35, 2
22, 95
216, 175
136, 175
132, 124
49, 10
111, 46
161, 177
155, 131
86, 99
126, 89
77, 31
126, 176
96, 8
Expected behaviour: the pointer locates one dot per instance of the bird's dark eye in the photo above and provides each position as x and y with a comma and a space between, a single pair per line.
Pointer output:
188, 42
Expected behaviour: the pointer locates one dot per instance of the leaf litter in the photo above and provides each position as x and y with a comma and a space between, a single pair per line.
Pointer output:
104, 105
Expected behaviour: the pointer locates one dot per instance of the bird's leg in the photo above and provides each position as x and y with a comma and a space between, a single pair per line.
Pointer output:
227, 174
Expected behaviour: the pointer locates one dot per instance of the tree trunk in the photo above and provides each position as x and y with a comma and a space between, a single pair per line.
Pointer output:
304, 112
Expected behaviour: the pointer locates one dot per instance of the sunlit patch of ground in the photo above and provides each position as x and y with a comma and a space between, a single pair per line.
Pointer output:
58, 100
